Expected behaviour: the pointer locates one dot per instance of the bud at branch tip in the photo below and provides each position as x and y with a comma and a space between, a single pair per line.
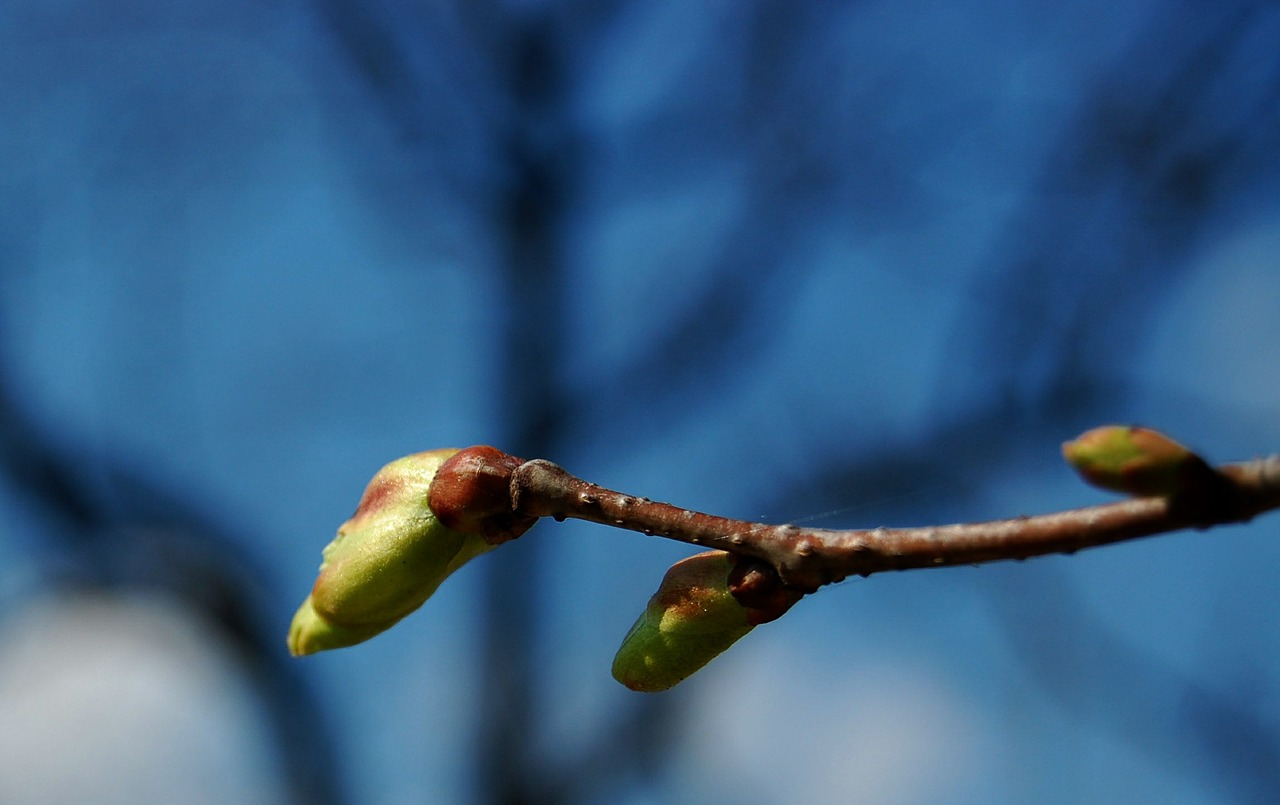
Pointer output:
1135, 461
385, 562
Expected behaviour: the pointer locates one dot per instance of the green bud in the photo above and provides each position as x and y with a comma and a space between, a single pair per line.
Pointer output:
310, 633
690, 620
1134, 460
386, 561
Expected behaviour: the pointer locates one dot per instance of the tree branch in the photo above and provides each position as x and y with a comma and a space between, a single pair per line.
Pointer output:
425, 515
806, 559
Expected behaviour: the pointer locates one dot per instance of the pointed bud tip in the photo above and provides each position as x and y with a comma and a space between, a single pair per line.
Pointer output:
310, 633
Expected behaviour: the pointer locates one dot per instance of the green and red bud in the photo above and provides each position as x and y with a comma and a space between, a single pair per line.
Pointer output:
385, 562
693, 617
1135, 461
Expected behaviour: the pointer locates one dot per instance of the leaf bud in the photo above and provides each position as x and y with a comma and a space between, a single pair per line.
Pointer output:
1135, 461
385, 562
692, 618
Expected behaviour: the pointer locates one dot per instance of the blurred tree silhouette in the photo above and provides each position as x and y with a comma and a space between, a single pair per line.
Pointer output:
651, 205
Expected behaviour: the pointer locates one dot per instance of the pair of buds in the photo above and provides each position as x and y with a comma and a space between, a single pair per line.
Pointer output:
395, 551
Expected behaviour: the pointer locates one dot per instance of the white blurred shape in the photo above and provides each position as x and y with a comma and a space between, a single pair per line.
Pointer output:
786, 727
111, 699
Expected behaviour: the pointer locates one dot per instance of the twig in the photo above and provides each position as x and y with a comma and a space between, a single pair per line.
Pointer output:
805, 559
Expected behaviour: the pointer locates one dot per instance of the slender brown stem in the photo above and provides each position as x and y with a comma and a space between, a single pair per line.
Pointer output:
806, 559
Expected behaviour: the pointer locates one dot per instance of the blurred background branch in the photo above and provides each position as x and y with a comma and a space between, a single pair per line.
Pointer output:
890, 252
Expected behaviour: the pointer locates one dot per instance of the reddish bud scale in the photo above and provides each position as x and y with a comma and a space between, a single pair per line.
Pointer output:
756, 586
471, 494
380, 492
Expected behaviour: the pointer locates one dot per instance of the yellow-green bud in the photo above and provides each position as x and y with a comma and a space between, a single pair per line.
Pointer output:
386, 561
1135, 461
310, 633
691, 619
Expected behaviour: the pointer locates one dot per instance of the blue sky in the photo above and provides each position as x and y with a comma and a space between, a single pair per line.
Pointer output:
857, 265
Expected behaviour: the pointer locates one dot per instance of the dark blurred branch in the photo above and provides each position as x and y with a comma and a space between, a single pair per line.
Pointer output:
794, 174
1169, 140
147, 536
446, 104
529, 212
1164, 713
